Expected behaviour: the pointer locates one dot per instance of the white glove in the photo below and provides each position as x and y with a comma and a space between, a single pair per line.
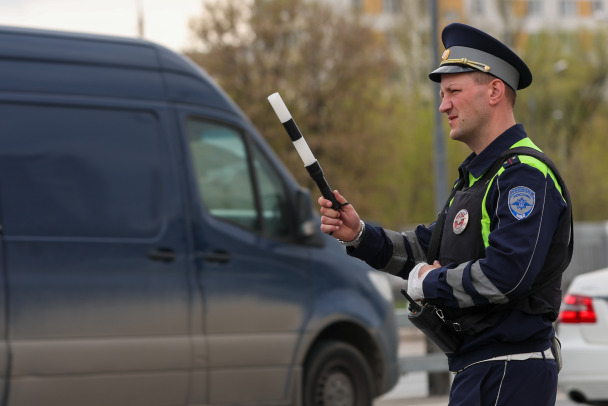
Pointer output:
414, 282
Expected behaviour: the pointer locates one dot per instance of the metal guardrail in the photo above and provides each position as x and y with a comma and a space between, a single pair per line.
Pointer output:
430, 362
401, 316
433, 362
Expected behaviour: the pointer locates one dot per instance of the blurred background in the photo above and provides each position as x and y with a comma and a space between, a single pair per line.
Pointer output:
354, 75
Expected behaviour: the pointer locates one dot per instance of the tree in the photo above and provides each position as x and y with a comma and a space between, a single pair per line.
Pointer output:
570, 72
334, 73
588, 183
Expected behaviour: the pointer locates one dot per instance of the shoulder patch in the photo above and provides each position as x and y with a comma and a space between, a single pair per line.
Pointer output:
511, 161
521, 201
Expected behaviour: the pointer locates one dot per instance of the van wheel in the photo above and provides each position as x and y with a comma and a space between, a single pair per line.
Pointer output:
336, 374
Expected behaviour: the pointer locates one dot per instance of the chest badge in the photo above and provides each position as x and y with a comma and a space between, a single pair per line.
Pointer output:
460, 221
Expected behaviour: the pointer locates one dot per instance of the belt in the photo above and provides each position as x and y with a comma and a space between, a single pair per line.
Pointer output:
547, 354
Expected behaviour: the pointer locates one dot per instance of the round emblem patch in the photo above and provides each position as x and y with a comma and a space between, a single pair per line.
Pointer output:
445, 54
521, 201
460, 221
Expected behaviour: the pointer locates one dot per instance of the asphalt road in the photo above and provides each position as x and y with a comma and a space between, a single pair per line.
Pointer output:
412, 388
443, 401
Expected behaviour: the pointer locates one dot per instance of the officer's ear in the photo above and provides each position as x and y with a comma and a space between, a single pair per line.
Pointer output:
496, 91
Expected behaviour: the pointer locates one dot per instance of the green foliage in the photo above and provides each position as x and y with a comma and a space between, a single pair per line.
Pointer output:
586, 177
567, 89
563, 112
333, 73
363, 100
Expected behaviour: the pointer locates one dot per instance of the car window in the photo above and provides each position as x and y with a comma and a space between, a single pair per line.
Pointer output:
272, 196
80, 172
235, 185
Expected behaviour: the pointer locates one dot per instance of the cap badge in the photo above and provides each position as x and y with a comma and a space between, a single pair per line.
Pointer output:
460, 221
445, 55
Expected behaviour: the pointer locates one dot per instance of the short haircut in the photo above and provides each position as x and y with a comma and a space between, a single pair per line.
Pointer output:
482, 78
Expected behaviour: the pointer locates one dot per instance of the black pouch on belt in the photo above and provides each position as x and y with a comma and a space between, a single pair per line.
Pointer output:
556, 348
428, 319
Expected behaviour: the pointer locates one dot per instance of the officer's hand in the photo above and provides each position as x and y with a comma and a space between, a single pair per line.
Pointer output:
343, 224
425, 268
416, 278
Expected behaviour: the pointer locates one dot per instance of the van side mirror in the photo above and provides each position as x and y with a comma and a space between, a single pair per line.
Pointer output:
307, 223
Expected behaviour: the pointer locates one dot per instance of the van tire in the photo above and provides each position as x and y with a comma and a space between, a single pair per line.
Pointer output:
336, 374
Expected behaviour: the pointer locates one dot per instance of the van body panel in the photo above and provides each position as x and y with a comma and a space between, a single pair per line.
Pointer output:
80, 219
129, 390
254, 324
187, 84
4, 348
90, 80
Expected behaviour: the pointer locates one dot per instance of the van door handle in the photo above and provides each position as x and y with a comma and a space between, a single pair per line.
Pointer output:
162, 255
219, 256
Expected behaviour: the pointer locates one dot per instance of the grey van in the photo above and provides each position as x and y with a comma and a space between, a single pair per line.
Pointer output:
153, 249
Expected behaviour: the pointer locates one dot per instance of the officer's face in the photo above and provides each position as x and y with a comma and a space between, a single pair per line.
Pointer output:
465, 103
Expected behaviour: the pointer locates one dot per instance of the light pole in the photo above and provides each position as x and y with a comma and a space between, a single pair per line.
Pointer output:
439, 140
140, 19
439, 382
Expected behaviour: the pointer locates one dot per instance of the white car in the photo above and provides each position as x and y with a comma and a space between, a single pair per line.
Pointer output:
583, 332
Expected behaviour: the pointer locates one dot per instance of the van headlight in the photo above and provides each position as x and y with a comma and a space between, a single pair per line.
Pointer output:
381, 283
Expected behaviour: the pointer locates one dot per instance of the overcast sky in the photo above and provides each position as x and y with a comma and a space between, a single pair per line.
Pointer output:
165, 21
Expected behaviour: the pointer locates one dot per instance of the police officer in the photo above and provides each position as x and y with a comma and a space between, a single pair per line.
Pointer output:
493, 259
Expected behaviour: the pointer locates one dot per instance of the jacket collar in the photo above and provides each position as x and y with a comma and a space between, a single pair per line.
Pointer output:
476, 165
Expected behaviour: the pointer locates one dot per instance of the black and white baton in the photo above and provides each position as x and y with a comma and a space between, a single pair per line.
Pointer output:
310, 162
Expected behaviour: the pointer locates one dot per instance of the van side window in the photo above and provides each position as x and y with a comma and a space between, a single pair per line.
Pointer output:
235, 185
74, 172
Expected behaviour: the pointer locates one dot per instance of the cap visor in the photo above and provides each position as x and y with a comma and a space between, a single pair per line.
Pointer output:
435, 75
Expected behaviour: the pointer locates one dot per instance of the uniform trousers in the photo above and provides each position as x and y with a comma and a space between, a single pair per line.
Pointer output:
531, 382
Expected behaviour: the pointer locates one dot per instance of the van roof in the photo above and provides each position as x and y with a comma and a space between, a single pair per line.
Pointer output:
184, 81
26, 43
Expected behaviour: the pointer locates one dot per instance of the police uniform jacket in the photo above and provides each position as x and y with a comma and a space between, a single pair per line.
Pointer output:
514, 222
